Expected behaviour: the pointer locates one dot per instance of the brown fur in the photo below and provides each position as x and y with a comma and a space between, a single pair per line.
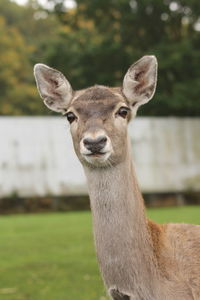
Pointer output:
96, 93
168, 273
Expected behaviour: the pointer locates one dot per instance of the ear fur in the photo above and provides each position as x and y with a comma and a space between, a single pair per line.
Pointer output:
53, 87
140, 81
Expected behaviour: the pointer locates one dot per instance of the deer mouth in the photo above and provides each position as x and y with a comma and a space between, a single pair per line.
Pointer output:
96, 154
97, 158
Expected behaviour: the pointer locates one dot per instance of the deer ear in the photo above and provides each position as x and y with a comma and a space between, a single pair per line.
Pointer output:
53, 87
140, 81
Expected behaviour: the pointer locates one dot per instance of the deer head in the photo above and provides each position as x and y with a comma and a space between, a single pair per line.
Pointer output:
99, 115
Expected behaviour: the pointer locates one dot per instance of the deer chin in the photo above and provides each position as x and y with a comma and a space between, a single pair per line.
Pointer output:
97, 159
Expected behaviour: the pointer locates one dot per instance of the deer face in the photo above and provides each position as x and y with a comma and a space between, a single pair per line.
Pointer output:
99, 115
98, 119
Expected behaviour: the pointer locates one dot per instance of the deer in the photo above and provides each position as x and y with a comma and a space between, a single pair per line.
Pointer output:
138, 259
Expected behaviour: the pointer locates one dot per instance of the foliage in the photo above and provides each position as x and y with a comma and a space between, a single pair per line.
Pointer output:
96, 41
107, 36
15, 80
21, 41
48, 257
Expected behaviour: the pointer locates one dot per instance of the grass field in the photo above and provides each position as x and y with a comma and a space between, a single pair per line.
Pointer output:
51, 256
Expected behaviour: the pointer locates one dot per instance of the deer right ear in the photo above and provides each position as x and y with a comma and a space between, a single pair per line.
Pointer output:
140, 81
53, 88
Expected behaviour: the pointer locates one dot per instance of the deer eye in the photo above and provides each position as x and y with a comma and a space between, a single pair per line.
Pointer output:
70, 117
123, 111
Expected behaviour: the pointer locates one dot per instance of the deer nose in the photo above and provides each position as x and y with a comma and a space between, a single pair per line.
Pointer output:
95, 145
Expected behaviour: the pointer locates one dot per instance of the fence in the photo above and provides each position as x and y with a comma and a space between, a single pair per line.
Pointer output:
37, 156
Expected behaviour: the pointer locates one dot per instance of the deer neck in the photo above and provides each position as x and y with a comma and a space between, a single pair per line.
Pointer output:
123, 244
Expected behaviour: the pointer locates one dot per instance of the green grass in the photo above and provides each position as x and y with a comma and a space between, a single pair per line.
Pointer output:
51, 256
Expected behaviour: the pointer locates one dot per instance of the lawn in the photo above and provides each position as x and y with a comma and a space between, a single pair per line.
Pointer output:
51, 256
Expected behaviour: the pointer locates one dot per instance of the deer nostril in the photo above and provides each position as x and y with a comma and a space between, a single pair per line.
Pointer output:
95, 145
104, 139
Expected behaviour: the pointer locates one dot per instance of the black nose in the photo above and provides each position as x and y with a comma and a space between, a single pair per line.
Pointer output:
95, 145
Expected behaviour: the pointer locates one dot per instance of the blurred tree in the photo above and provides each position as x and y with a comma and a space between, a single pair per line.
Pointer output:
100, 39
38, 28
95, 42
17, 89
26, 35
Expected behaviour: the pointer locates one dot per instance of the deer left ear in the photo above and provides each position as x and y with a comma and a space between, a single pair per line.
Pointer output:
140, 81
53, 88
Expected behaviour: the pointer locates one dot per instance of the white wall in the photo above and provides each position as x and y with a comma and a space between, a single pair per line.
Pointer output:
37, 157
